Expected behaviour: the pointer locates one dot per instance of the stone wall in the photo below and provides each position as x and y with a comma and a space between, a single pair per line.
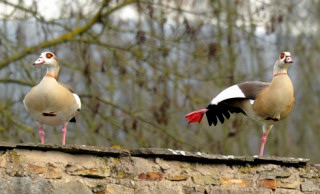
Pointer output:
85, 169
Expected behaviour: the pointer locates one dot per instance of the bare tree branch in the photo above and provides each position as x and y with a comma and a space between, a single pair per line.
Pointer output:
67, 36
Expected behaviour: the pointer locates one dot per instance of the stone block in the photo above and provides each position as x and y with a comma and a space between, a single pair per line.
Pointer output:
78, 170
24, 185
309, 186
272, 174
53, 172
3, 160
163, 189
200, 179
231, 181
70, 187
288, 183
182, 177
117, 189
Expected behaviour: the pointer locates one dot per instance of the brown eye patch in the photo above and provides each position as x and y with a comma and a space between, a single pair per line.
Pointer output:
49, 55
281, 55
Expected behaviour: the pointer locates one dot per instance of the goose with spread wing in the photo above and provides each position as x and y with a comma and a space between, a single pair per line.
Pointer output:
261, 101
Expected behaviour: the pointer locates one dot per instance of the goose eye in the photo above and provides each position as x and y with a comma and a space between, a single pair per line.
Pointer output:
281, 55
49, 55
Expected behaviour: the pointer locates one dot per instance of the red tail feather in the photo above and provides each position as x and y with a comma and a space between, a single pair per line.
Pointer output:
196, 116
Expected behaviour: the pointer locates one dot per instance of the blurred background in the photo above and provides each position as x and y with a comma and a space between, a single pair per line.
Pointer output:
140, 66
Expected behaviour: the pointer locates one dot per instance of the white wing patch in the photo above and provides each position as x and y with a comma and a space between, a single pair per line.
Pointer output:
77, 100
231, 92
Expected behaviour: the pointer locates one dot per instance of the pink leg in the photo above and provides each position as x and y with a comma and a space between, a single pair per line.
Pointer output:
64, 133
263, 141
41, 133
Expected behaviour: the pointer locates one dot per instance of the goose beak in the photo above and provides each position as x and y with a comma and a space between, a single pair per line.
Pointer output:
39, 61
289, 60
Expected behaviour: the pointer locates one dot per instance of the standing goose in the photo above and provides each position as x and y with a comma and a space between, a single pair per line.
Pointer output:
261, 101
50, 102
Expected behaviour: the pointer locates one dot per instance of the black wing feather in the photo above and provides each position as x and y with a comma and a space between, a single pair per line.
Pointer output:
220, 112
220, 117
225, 113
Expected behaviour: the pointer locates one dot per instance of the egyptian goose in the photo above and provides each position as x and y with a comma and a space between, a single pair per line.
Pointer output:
50, 102
261, 101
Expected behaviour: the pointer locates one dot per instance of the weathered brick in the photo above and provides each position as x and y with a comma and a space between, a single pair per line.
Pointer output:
35, 169
151, 176
268, 183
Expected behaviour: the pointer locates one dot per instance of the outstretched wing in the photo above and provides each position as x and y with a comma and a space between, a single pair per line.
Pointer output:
230, 100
